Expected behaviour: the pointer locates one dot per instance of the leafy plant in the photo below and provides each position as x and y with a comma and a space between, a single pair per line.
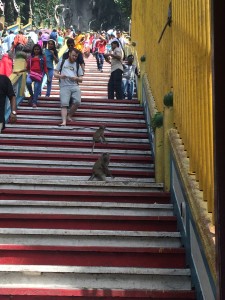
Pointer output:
143, 58
168, 99
157, 121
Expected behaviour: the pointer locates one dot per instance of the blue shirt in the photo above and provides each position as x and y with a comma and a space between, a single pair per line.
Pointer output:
49, 59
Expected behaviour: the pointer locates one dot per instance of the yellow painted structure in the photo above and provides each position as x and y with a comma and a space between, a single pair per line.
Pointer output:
181, 60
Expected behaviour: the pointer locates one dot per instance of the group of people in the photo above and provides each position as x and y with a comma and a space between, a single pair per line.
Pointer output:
69, 70
43, 60
23, 40
111, 48
39, 63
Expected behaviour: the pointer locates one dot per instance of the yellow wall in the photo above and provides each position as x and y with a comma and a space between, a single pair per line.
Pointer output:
181, 60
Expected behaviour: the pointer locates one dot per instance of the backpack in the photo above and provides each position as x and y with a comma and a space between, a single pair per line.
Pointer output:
20, 39
53, 35
29, 46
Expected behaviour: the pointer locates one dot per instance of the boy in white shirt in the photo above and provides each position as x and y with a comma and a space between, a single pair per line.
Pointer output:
129, 72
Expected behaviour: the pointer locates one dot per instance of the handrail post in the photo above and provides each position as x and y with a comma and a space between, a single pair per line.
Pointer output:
140, 81
167, 124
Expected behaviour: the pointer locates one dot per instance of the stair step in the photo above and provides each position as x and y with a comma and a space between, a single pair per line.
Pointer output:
71, 172
16, 276
85, 109
65, 151
96, 100
88, 238
147, 160
67, 183
93, 256
89, 210
78, 195
71, 164
61, 138
71, 222
91, 294
90, 114
72, 133
77, 129
74, 144
82, 122
105, 119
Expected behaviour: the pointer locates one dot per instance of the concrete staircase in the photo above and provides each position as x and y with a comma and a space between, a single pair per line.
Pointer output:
64, 237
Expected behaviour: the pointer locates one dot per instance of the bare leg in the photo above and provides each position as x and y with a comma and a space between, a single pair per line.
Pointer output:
1, 126
63, 115
73, 109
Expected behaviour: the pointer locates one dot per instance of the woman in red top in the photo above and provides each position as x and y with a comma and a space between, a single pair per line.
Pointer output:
37, 63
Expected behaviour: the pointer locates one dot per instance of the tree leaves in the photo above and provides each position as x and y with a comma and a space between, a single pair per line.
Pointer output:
108, 13
125, 6
43, 11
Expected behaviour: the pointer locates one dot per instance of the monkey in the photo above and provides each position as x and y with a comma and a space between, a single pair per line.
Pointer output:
98, 136
100, 169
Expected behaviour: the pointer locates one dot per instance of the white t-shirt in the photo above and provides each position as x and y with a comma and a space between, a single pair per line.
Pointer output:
69, 69
129, 72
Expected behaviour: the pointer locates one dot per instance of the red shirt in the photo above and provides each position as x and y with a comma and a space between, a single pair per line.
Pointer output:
100, 44
34, 64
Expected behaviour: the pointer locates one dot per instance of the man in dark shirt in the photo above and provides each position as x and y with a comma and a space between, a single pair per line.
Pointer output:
80, 60
6, 90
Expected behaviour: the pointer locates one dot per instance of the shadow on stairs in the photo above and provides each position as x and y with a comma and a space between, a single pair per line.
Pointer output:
64, 237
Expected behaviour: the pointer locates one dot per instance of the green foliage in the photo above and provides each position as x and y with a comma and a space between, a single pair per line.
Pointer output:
43, 10
157, 121
112, 13
125, 6
168, 99
108, 13
143, 58
9, 12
